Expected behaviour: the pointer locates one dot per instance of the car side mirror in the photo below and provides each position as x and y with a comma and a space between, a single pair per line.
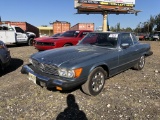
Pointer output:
125, 45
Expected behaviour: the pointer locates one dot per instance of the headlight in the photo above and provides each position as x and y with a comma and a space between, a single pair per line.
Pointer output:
30, 61
70, 73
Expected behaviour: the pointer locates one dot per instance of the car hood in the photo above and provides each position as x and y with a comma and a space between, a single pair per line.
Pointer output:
52, 39
64, 55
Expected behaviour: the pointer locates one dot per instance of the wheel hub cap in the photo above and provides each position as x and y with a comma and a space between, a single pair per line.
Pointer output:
97, 81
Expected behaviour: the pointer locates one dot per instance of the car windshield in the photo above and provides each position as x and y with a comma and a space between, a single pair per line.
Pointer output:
56, 35
70, 34
101, 39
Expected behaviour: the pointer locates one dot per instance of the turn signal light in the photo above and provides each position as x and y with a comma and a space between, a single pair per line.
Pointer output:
78, 72
58, 88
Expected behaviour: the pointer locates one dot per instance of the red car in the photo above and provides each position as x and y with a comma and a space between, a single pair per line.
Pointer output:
68, 38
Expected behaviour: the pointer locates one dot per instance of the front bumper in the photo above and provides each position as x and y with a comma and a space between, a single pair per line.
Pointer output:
52, 81
43, 47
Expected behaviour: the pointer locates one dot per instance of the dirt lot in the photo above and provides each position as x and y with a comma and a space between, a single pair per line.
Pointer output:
131, 95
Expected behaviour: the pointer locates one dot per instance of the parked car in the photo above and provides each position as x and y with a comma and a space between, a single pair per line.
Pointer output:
4, 56
156, 36
68, 38
141, 36
98, 56
15, 35
45, 37
149, 36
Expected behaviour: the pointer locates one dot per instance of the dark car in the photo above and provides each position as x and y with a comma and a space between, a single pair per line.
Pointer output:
97, 57
4, 56
68, 38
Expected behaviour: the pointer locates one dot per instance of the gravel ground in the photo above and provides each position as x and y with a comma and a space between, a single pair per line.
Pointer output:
131, 95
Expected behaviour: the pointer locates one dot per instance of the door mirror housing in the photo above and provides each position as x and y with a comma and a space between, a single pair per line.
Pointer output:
125, 45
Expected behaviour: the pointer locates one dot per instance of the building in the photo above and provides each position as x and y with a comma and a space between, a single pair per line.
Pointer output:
83, 26
99, 28
60, 26
45, 30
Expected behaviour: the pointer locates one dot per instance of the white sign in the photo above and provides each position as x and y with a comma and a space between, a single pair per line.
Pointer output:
110, 2
116, 1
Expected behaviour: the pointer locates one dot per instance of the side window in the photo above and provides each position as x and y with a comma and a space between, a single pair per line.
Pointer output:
135, 40
5, 28
19, 30
83, 34
126, 38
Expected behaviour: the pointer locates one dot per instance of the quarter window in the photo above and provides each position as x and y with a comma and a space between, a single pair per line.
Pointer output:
126, 38
135, 40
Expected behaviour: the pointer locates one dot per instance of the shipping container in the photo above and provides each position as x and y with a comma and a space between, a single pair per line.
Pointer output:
83, 26
25, 26
60, 26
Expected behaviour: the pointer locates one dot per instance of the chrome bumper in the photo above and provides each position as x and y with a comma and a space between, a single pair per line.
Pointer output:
51, 82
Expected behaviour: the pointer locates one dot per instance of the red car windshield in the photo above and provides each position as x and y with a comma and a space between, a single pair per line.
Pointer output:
70, 34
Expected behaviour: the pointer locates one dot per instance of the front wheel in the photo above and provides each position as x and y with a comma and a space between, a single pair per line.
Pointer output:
140, 64
1, 67
95, 82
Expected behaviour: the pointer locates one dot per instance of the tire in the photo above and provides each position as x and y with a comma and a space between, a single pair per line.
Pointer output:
155, 39
95, 82
140, 64
66, 45
1, 66
30, 42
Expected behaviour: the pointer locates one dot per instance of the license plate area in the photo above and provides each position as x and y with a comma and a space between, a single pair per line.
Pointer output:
32, 77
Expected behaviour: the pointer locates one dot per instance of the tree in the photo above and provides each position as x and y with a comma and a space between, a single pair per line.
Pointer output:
118, 27
157, 22
128, 29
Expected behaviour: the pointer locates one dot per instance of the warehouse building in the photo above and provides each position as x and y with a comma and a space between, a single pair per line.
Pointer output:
83, 26
45, 30
60, 26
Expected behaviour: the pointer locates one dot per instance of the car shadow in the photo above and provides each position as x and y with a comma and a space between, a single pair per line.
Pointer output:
14, 64
16, 45
72, 111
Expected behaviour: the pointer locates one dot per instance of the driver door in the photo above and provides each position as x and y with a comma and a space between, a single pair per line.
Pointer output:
20, 35
128, 55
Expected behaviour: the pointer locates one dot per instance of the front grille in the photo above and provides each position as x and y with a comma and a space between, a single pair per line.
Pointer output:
49, 69
44, 43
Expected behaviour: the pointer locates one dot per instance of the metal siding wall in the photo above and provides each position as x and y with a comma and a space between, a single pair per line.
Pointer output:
83, 26
19, 24
31, 28
60, 27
